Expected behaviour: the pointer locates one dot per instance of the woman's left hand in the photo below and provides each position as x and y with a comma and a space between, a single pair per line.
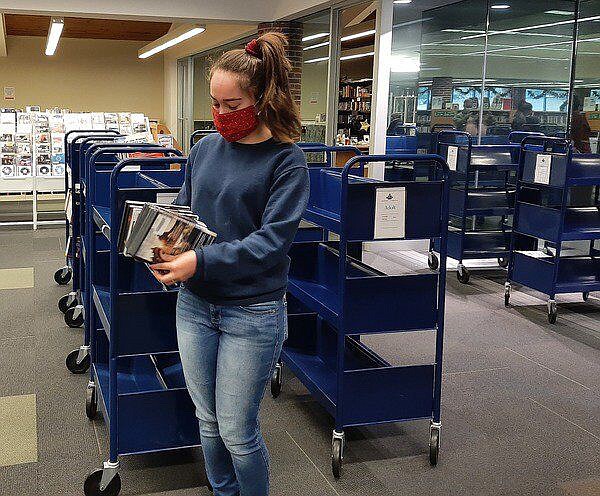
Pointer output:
176, 269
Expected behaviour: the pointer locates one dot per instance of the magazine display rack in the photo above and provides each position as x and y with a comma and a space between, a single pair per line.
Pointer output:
78, 360
334, 298
136, 375
481, 202
549, 172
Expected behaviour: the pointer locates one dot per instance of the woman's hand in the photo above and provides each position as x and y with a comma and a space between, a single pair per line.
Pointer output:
176, 269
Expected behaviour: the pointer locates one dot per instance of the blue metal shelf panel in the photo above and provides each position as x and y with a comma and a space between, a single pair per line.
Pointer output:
152, 398
575, 274
482, 201
477, 244
399, 303
544, 223
423, 205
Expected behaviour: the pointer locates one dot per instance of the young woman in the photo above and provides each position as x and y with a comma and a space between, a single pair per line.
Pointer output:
249, 183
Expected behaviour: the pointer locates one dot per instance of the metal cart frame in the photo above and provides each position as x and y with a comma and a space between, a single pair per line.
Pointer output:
333, 299
136, 378
543, 212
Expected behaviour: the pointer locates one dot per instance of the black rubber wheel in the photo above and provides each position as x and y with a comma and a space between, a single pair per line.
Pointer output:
336, 458
434, 447
503, 262
91, 486
506, 299
62, 276
91, 402
71, 320
73, 366
64, 304
586, 295
433, 261
463, 275
276, 381
552, 313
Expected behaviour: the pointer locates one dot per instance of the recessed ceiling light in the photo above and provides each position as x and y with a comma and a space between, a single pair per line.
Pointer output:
358, 35
402, 2
56, 26
559, 12
172, 38
314, 36
501, 6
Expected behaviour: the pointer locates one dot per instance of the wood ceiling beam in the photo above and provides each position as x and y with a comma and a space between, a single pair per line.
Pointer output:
3, 51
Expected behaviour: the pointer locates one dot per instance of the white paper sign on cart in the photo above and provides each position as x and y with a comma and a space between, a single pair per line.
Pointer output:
543, 167
390, 213
452, 158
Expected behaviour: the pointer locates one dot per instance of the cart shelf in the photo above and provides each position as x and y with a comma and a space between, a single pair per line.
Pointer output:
151, 391
395, 303
372, 389
580, 223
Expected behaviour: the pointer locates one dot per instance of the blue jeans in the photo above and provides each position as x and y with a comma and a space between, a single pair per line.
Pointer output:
228, 355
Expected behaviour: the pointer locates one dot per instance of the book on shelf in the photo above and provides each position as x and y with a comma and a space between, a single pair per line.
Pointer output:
149, 231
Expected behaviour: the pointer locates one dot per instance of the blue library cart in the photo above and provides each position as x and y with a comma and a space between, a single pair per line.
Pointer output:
334, 298
136, 379
78, 360
481, 200
69, 271
549, 211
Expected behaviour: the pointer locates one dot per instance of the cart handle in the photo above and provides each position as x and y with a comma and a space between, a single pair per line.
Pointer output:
199, 132
396, 156
452, 133
548, 143
523, 134
132, 148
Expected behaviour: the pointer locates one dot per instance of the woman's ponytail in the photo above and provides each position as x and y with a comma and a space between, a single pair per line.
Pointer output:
264, 69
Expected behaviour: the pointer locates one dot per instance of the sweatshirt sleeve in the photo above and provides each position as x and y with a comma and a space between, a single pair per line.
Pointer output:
185, 193
267, 246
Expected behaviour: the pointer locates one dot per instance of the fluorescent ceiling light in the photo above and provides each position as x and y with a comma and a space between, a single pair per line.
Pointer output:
401, 63
358, 35
54, 33
312, 61
357, 56
559, 12
318, 45
170, 39
314, 36
402, 2
500, 6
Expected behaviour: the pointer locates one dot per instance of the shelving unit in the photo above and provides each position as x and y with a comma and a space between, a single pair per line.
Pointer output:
354, 100
136, 378
481, 199
544, 211
334, 298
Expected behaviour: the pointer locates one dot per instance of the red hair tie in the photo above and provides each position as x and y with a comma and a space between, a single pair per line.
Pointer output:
252, 48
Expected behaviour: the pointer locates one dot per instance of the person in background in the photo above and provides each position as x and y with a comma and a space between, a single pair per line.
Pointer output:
249, 182
580, 128
524, 119
395, 128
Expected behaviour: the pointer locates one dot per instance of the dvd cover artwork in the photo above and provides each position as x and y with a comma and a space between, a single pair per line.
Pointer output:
58, 170
44, 170
7, 170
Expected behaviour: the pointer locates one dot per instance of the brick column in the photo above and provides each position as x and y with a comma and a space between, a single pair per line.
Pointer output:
293, 30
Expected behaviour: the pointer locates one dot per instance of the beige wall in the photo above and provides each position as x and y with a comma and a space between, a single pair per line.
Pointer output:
83, 75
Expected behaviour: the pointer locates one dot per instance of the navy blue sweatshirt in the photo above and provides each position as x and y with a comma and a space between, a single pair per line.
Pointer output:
253, 197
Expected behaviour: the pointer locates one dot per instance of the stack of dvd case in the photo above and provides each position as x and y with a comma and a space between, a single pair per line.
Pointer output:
150, 230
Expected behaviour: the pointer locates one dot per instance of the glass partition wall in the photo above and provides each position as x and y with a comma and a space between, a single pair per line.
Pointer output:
493, 67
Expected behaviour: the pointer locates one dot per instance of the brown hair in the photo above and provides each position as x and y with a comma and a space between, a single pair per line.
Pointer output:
263, 69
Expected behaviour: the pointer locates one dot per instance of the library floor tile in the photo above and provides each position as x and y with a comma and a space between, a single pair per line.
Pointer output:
16, 278
18, 430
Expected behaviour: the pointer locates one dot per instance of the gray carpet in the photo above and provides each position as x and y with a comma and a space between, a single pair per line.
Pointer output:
521, 401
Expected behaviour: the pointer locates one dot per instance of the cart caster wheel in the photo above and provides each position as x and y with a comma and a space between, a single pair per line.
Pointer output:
67, 301
337, 457
503, 262
552, 311
433, 261
434, 445
586, 295
507, 295
74, 317
62, 276
91, 486
277, 380
73, 366
463, 274
91, 402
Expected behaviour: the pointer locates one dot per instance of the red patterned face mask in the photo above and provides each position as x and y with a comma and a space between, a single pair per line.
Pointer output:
236, 125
